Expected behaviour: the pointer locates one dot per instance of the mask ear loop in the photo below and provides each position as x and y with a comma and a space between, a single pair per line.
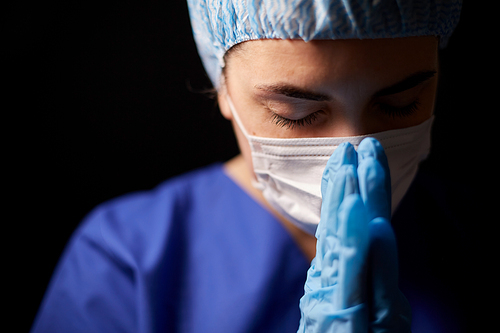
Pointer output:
235, 115
232, 108
255, 183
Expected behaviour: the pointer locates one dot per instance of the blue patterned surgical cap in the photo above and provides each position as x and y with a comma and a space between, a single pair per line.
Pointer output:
220, 24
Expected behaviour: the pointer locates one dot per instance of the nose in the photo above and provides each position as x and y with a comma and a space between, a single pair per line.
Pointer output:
350, 120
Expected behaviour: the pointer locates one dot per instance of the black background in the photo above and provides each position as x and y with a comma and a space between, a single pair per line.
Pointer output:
104, 98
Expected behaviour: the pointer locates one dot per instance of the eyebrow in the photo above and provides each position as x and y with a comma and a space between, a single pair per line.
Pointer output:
295, 92
407, 83
292, 91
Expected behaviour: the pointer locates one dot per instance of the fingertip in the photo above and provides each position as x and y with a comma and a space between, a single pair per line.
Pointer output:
343, 154
373, 168
381, 231
370, 147
350, 154
374, 188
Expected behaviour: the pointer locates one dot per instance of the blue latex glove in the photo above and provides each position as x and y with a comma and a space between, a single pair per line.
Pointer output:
352, 284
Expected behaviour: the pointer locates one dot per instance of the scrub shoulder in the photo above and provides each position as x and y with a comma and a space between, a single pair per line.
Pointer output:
179, 257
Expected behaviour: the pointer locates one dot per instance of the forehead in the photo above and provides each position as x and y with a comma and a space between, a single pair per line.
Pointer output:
344, 60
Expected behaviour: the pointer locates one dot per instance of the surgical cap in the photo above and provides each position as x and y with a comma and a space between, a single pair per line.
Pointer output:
220, 24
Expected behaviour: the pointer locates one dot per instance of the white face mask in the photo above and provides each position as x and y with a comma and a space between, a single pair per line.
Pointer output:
289, 171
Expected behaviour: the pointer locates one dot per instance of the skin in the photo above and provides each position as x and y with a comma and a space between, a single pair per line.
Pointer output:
338, 87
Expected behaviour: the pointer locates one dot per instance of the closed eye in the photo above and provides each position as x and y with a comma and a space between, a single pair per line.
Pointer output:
399, 112
287, 123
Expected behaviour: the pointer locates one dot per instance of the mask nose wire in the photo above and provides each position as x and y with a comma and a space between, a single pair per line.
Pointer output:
235, 115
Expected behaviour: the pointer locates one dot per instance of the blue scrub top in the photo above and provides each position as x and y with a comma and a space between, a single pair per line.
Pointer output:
197, 254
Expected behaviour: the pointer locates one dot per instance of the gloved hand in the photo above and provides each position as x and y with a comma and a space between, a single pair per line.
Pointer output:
352, 284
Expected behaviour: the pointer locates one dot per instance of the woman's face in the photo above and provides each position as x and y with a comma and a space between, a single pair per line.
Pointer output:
292, 88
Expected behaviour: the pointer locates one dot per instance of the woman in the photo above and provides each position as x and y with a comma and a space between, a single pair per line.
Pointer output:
209, 251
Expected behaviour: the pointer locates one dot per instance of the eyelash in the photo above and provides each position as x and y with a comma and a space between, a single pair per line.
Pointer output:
392, 111
292, 123
400, 112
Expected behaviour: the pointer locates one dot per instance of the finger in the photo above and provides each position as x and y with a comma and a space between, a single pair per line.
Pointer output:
372, 186
345, 154
333, 190
343, 185
371, 148
354, 241
390, 309
334, 195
